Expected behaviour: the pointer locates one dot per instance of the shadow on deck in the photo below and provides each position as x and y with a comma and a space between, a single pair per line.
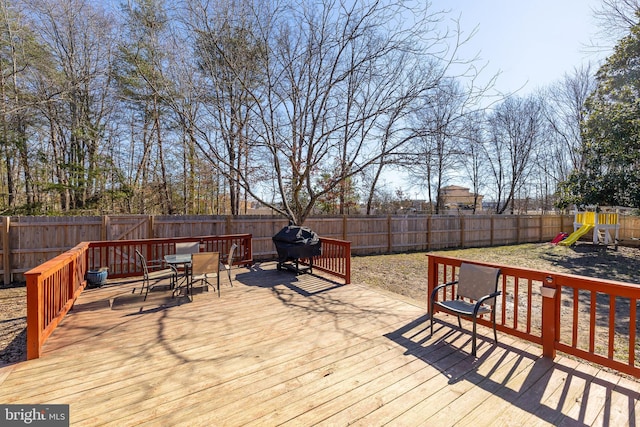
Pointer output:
277, 348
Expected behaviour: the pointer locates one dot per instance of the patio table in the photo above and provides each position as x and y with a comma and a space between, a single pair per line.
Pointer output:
184, 261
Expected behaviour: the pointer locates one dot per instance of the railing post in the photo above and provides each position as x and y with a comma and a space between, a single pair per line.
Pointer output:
432, 277
550, 313
71, 285
34, 315
347, 279
429, 233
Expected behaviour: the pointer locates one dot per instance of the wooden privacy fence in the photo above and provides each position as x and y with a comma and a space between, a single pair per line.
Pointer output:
30, 241
53, 286
593, 319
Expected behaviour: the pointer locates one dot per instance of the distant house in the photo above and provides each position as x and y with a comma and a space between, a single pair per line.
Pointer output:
456, 198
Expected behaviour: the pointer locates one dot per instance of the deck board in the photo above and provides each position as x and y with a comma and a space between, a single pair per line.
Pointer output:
281, 349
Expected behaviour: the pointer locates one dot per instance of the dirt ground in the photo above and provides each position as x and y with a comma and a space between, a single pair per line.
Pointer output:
403, 274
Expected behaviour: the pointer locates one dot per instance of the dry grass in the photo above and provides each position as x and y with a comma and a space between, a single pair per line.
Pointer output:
405, 274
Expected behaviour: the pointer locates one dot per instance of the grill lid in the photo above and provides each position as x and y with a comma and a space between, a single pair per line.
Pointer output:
297, 235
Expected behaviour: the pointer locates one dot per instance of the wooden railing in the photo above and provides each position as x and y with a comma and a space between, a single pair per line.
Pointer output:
52, 288
593, 319
335, 258
119, 256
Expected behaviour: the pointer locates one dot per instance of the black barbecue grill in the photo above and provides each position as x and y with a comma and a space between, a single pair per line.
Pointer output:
294, 243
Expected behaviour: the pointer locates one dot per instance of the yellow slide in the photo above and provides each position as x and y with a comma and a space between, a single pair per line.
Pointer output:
573, 237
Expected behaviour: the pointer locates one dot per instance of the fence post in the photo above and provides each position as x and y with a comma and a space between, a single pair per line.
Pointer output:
491, 238
228, 225
550, 305
344, 227
150, 224
389, 236
541, 229
6, 250
462, 231
104, 227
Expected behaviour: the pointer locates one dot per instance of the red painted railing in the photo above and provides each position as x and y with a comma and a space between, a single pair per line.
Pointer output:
335, 258
593, 319
52, 288
120, 256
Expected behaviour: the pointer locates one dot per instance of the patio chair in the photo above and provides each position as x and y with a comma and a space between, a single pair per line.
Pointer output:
205, 266
229, 263
187, 247
162, 274
477, 289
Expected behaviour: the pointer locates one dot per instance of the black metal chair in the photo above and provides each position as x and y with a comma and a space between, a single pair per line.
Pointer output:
156, 275
229, 264
476, 292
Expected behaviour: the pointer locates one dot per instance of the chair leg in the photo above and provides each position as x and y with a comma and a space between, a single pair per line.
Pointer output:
493, 318
145, 285
229, 274
459, 322
431, 317
473, 338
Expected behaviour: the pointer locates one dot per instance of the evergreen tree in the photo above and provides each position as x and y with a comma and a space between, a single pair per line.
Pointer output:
610, 133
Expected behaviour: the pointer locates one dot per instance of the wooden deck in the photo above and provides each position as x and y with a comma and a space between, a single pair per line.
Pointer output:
299, 350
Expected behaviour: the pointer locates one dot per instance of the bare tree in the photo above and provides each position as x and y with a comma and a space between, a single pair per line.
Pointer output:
437, 151
615, 18
514, 130
474, 160
140, 73
230, 58
562, 152
336, 78
565, 112
77, 34
21, 56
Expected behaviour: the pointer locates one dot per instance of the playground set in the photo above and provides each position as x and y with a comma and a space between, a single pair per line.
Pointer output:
602, 224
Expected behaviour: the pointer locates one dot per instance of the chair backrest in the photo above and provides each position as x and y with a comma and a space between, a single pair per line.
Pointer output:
476, 281
205, 262
230, 256
187, 247
143, 262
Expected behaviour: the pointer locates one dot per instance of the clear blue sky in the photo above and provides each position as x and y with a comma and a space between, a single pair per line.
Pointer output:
532, 42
